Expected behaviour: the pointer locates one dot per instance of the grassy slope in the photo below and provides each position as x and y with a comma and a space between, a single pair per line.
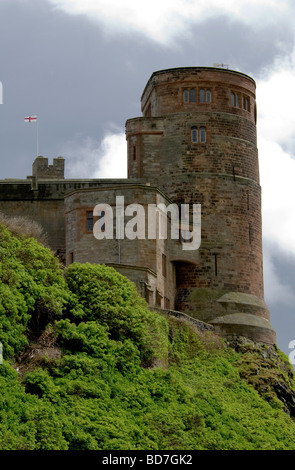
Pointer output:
88, 366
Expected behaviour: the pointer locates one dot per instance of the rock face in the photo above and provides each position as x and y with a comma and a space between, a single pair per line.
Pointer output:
268, 370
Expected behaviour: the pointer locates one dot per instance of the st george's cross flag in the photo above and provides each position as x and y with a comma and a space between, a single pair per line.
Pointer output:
31, 119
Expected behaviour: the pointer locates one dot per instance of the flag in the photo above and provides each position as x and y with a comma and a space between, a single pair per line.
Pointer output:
30, 118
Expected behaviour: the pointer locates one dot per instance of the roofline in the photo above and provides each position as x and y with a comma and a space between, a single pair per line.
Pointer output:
190, 69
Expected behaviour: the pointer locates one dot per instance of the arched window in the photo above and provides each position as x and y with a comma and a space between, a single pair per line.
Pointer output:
194, 134
192, 95
208, 96
246, 103
202, 95
185, 96
202, 134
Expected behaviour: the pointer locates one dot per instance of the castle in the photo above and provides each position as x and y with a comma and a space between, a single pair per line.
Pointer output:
195, 143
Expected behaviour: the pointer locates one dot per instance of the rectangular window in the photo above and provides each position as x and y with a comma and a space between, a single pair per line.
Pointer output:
192, 96
89, 221
202, 134
202, 95
194, 134
185, 96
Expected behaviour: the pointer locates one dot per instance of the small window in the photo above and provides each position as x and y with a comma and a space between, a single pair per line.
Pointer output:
194, 134
189, 95
134, 153
192, 95
246, 103
202, 134
236, 99
205, 95
186, 96
198, 134
202, 96
89, 221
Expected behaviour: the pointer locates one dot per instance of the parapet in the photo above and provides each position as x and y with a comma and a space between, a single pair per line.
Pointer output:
41, 169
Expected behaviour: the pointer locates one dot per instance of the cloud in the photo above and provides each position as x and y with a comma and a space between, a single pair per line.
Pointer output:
94, 159
275, 93
277, 170
277, 291
276, 134
163, 21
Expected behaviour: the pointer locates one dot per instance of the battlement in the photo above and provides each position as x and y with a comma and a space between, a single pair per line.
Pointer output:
41, 169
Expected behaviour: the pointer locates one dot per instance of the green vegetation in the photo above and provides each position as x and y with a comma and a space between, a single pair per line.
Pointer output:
88, 366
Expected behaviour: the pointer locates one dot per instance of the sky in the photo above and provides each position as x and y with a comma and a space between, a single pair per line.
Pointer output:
81, 67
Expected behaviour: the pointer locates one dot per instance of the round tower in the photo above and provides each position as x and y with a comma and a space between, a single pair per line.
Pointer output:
197, 142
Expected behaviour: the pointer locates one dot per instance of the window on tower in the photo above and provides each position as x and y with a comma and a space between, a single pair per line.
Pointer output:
189, 95
202, 134
89, 221
198, 134
194, 134
240, 101
185, 96
205, 95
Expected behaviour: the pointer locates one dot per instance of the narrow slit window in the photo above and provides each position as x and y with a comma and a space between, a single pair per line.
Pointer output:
134, 153
164, 265
215, 265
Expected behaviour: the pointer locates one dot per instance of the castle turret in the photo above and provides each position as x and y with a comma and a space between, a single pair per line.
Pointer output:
197, 142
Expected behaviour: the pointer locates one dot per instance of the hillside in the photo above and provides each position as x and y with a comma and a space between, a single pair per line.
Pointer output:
87, 365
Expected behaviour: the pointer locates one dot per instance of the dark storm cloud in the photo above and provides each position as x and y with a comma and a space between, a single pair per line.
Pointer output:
80, 82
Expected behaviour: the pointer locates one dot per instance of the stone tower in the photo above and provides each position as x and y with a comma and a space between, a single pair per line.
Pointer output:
196, 141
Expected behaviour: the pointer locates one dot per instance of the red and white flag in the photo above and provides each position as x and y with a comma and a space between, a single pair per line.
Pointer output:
31, 119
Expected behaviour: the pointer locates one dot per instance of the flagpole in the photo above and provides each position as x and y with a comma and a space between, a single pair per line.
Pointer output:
37, 137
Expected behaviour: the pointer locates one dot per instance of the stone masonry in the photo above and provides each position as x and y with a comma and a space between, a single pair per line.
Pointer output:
195, 143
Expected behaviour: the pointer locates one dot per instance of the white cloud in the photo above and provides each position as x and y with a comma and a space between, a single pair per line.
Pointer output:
93, 159
165, 19
113, 164
275, 98
277, 170
276, 132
